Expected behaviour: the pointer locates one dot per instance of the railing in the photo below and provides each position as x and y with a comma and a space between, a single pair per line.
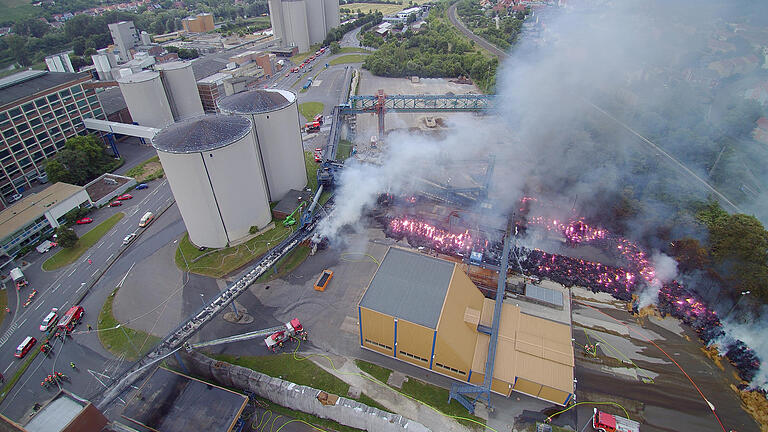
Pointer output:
421, 103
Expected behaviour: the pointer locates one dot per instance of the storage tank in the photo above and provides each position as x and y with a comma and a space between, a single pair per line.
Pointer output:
275, 117
295, 24
143, 93
181, 89
215, 174
276, 18
316, 20
331, 14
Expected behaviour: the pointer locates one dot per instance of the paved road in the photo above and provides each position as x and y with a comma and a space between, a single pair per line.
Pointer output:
61, 288
478, 40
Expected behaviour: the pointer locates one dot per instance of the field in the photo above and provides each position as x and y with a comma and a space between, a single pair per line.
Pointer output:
386, 9
349, 58
15, 9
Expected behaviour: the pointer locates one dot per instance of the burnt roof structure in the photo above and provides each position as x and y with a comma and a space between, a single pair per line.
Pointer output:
204, 133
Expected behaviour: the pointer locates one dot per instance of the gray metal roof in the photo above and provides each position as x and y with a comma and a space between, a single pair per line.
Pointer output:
112, 100
32, 85
203, 133
544, 295
411, 286
253, 102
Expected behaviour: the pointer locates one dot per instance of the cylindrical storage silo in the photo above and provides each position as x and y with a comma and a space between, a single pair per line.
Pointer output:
276, 18
181, 89
143, 93
216, 176
331, 14
275, 117
295, 24
316, 21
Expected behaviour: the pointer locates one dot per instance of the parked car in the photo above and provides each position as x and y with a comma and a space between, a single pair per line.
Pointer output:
128, 238
141, 186
124, 197
15, 197
318, 157
288, 74
50, 320
84, 221
115, 203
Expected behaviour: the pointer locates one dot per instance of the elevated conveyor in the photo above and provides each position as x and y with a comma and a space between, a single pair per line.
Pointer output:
120, 128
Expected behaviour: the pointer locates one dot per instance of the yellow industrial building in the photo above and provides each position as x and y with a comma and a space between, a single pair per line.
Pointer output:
198, 24
427, 312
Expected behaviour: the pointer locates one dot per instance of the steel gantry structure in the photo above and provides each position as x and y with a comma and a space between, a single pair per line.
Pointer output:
380, 103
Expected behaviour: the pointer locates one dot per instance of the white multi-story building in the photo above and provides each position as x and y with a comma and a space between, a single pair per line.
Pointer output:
125, 36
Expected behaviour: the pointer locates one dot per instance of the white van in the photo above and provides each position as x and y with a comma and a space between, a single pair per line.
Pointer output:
146, 219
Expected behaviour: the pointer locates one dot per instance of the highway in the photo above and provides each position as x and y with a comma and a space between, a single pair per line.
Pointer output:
62, 288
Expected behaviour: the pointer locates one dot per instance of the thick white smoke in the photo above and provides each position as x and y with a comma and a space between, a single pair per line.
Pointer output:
665, 271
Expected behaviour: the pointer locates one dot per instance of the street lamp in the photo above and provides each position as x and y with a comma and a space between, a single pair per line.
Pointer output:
202, 300
741, 297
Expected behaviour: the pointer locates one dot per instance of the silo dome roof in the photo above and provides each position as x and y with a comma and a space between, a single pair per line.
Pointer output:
138, 77
255, 101
204, 133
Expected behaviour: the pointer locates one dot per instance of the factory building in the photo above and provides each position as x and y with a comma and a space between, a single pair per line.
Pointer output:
216, 176
59, 63
125, 36
198, 24
302, 23
427, 312
145, 96
275, 117
39, 111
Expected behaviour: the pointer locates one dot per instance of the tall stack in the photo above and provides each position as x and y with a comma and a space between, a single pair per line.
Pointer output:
302, 23
275, 118
214, 170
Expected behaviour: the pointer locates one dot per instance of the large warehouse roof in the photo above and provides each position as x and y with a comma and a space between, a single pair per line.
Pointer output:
34, 205
29, 83
203, 133
254, 102
410, 286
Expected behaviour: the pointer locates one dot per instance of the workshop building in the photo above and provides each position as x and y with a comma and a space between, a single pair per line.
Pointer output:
427, 312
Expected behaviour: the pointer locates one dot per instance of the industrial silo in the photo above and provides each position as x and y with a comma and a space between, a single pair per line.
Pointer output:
181, 89
316, 20
216, 176
295, 24
143, 93
331, 14
275, 118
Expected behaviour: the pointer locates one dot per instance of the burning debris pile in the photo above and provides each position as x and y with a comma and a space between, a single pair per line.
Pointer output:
638, 274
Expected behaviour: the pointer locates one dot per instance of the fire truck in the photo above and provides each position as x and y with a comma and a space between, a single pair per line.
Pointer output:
604, 422
312, 126
293, 329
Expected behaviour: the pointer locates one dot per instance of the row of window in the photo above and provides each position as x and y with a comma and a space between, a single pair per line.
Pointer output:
448, 368
414, 356
23, 233
64, 96
368, 341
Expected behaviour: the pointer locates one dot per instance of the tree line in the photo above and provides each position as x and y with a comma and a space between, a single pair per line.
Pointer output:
82, 159
483, 23
436, 51
366, 21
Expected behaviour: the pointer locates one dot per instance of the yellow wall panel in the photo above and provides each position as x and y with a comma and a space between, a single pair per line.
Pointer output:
415, 340
528, 387
553, 395
456, 340
378, 328
501, 387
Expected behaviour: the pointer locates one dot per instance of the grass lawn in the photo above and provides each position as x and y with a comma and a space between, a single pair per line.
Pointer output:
376, 371
386, 9
284, 366
437, 397
300, 57
347, 50
65, 257
432, 395
285, 265
310, 109
123, 341
312, 167
148, 170
16, 376
349, 58
220, 262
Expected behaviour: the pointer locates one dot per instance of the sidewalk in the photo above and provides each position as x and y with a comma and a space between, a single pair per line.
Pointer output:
347, 371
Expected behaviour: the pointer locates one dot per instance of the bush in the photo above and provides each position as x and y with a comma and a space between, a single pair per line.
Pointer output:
253, 230
66, 237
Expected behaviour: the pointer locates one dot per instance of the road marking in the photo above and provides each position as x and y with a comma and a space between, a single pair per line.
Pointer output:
73, 270
57, 287
110, 246
8, 333
110, 257
9, 366
94, 273
38, 305
82, 285
100, 245
22, 323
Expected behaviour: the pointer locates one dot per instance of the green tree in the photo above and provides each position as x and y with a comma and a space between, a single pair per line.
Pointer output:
66, 237
56, 171
335, 47
17, 47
